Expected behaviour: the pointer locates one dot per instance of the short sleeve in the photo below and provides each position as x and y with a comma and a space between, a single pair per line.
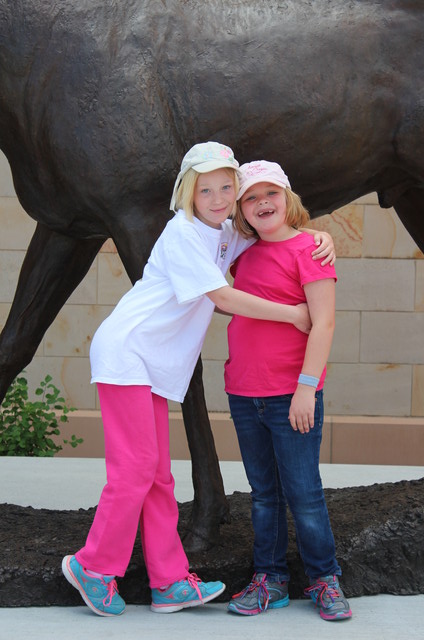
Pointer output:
191, 269
311, 270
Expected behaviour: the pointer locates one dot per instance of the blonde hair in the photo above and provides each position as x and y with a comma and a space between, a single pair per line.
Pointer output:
296, 215
184, 198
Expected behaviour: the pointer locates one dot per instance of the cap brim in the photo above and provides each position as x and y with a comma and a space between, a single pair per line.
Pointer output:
255, 180
212, 165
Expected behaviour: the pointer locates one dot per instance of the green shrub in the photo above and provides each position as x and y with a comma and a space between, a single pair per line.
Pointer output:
26, 427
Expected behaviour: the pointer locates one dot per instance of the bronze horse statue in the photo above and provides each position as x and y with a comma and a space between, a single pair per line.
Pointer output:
100, 99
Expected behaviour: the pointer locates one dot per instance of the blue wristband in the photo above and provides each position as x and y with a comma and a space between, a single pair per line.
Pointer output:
310, 381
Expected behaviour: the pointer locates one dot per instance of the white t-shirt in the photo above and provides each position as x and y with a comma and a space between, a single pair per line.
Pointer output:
155, 333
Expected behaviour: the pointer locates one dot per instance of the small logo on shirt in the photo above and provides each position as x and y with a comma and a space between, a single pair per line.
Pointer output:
224, 247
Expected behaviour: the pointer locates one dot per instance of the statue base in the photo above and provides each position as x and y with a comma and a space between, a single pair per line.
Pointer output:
378, 530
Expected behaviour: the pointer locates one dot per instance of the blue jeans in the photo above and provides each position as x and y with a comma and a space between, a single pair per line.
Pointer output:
282, 467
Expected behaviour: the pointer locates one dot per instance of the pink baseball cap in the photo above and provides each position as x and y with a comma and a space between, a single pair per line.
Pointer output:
261, 171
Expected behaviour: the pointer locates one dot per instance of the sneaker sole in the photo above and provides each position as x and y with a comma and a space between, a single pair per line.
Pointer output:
73, 580
279, 604
339, 616
166, 608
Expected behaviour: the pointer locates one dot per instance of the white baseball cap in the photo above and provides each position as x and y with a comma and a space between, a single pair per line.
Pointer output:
261, 171
204, 157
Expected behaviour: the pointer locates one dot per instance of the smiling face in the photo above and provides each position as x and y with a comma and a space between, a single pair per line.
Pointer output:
264, 206
214, 197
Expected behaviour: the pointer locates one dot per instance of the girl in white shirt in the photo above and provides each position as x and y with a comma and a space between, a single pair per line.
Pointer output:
144, 353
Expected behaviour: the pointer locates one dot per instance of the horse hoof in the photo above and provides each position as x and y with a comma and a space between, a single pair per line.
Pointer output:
200, 540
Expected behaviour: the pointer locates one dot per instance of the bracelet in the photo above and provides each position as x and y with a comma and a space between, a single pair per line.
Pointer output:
311, 381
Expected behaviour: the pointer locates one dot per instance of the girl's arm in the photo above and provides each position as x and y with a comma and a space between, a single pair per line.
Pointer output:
325, 245
232, 301
320, 296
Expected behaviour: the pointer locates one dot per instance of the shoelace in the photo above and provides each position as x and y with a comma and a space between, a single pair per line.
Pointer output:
261, 587
323, 589
193, 579
112, 588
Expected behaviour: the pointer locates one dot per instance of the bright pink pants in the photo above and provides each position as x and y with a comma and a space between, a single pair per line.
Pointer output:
139, 489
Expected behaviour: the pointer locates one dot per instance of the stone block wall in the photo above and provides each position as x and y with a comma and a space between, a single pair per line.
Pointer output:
377, 359
376, 366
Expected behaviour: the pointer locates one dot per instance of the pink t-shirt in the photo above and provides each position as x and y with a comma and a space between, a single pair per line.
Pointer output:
266, 357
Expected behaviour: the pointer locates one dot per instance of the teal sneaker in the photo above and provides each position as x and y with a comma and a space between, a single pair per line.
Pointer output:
261, 594
189, 592
329, 598
100, 594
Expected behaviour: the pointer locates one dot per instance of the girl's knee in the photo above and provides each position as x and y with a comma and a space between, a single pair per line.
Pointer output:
136, 473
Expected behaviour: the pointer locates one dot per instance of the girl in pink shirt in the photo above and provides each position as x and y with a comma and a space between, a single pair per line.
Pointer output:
274, 378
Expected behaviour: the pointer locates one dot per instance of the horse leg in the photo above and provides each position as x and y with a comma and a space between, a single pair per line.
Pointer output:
53, 267
410, 209
210, 506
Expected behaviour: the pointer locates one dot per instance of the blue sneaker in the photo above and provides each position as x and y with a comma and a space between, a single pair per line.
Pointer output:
189, 592
261, 594
329, 598
100, 594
